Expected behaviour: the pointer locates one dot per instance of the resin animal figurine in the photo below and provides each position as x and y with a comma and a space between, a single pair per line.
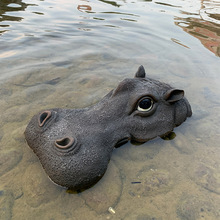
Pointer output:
74, 146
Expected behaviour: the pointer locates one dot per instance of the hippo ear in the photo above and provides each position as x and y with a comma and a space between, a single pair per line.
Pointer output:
140, 73
173, 95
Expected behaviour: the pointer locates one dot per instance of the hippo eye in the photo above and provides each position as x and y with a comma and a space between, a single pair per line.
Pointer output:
145, 105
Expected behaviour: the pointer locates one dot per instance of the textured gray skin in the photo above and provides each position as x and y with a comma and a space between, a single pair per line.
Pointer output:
98, 129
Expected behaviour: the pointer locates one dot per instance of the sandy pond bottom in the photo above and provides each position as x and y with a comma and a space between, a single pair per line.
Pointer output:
176, 179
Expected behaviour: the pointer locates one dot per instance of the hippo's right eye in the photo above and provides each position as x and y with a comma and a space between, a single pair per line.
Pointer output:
145, 104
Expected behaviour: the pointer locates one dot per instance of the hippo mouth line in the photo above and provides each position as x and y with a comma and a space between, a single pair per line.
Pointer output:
122, 142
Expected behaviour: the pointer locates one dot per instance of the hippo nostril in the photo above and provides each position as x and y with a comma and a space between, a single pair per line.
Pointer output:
44, 116
64, 143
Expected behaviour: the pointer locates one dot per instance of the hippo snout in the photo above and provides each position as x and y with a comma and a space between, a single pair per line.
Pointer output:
189, 109
74, 146
182, 111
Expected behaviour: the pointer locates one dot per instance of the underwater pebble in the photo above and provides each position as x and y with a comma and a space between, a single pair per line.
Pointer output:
8, 160
111, 210
6, 204
38, 189
106, 193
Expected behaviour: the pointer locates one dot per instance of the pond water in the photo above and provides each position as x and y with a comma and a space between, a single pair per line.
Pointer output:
69, 54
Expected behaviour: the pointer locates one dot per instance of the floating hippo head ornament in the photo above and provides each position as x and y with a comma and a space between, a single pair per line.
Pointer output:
75, 145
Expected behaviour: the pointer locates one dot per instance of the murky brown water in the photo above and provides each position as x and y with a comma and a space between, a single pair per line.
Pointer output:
69, 54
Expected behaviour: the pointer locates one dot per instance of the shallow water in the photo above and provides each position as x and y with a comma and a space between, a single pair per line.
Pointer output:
69, 54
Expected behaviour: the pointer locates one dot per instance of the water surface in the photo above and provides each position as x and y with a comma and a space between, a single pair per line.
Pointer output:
69, 54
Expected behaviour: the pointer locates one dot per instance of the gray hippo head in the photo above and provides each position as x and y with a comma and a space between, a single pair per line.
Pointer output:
75, 145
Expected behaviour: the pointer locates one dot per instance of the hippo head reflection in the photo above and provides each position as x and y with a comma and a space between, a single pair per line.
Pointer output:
75, 145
